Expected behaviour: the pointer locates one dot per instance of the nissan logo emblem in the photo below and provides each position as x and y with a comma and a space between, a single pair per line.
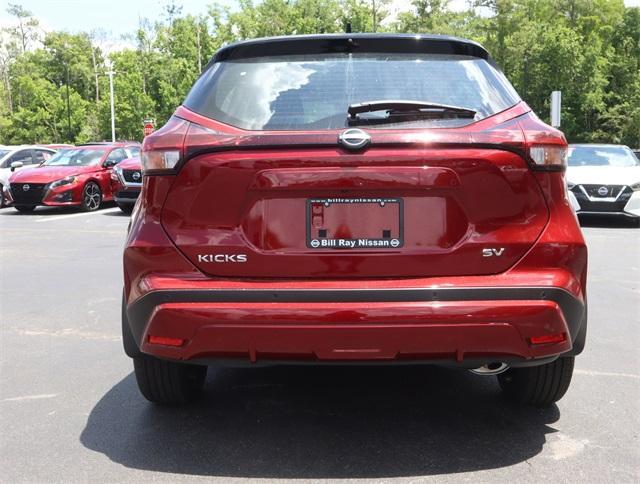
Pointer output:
603, 191
136, 175
25, 188
354, 139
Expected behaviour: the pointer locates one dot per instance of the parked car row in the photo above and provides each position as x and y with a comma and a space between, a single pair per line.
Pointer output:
82, 176
602, 179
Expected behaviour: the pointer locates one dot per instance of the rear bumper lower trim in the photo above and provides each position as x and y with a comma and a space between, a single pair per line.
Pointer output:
163, 308
125, 201
613, 214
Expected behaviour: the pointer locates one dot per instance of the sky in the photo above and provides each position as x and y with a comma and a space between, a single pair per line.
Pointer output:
119, 17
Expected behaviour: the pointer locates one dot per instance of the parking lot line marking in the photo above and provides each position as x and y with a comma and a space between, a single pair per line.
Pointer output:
30, 397
606, 373
71, 215
57, 231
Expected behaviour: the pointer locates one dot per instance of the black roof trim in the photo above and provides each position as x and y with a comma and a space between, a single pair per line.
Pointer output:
346, 43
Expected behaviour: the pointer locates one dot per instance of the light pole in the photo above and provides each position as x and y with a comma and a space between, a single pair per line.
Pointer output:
68, 108
113, 114
373, 11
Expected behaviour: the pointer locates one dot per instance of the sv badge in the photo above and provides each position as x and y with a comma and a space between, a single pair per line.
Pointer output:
492, 252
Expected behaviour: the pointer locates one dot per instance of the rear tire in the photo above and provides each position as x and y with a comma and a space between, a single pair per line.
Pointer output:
539, 386
166, 382
25, 208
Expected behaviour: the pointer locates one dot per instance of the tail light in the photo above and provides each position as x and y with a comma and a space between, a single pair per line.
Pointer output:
159, 161
549, 157
163, 150
546, 146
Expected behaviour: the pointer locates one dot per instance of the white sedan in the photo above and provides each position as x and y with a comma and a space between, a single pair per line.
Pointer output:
18, 158
604, 179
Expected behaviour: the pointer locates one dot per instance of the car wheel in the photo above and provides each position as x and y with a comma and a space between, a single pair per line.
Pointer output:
25, 208
91, 197
168, 383
538, 385
125, 207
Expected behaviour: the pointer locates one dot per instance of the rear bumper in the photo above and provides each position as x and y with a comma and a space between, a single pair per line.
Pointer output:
463, 326
127, 195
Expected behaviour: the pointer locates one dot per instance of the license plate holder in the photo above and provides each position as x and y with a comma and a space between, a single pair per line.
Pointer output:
366, 223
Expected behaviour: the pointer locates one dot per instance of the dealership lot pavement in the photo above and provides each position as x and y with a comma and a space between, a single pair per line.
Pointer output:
70, 410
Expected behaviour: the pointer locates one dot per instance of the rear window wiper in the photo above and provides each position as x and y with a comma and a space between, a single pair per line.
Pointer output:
401, 110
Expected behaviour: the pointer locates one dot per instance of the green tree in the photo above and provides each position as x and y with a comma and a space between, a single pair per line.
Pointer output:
133, 105
589, 49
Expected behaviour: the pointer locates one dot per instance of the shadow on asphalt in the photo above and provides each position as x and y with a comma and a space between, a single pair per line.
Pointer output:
117, 213
612, 222
322, 422
39, 211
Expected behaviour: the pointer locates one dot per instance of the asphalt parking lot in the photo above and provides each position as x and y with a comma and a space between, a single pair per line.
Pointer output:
70, 410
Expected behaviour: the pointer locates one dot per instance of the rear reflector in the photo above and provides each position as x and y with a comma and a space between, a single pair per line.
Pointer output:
548, 338
166, 341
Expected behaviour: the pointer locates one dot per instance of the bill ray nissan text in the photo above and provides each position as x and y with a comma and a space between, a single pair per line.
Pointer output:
354, 199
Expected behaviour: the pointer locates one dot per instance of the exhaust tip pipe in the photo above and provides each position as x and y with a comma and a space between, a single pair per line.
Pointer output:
491, 368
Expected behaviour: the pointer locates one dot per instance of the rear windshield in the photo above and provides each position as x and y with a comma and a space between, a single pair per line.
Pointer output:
602, 156
314, 91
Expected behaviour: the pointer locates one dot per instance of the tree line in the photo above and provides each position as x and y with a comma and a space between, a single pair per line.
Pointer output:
55, 89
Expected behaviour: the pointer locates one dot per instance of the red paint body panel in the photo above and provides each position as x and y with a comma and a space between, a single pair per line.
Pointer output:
347, 331
130, 164
463, 190
444, 220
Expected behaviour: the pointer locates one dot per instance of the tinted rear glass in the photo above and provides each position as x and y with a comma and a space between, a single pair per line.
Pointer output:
314, 92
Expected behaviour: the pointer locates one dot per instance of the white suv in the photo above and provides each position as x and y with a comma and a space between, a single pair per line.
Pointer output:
21, 157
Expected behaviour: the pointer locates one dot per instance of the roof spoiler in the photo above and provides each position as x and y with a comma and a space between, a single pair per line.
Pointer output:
347, 43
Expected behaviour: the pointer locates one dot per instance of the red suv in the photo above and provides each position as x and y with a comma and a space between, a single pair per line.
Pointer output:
354, 199
76, 177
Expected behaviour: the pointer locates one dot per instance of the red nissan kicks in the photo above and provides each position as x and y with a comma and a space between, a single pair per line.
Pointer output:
354, 199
